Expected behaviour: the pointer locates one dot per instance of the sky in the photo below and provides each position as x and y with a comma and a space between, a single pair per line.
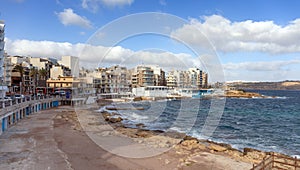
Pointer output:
249, 40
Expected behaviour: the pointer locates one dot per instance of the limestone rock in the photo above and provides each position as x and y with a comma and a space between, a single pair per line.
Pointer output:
217, 148
115, 120
143, 134
140, 125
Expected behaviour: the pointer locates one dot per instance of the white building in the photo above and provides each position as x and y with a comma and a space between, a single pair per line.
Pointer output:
15, 60
8, 67
41, 63
59, 71
71, 62
150, 91
193, 78
3, 87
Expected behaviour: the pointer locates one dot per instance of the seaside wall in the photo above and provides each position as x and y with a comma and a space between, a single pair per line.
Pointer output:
14, 113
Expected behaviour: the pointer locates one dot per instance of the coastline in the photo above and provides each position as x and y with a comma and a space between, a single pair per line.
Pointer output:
60, 139
182, 141
249, 155
190, 153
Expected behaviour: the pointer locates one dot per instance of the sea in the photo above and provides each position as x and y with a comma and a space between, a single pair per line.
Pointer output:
268, 124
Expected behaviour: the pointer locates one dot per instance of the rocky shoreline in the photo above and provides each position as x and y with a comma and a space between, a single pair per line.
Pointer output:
243, 94
184, 145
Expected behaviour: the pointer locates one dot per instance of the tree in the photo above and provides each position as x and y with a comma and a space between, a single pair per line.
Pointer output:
43, 74
34, 75
33, 72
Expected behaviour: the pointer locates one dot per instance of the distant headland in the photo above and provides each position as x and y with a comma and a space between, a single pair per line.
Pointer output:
281, 85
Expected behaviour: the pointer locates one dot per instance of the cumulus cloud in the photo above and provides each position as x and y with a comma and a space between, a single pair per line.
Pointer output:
68, 17
93, 5
228, 36
93, 56
261, 66
117, 2
263, 70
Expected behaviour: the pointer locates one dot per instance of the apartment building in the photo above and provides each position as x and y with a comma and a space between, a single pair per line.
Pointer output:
203, 79
3, 87
63, 82
59, 71
159, 75
7, 66
114, 79
148, 75
171, 80
142, 76
192, 78
182, 79
71, 62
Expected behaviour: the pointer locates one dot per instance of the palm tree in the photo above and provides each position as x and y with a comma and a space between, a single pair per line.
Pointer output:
34, 75
43, 74
19, 68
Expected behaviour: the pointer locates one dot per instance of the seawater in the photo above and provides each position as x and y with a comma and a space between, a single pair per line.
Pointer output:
269, 124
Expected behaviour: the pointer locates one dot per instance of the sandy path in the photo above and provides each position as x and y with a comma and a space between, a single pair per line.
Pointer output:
47, 140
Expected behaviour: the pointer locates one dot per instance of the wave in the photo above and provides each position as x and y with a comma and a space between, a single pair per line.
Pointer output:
134, 116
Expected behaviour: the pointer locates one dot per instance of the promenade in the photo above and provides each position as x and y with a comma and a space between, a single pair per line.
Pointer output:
53, 139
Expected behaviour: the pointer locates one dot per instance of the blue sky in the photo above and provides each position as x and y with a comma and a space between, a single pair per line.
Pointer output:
261, 36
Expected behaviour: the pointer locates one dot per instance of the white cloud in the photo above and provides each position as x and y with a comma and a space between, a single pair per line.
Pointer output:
117, 2
68, 17
92, 56
163, 2
263, 70
93, 5
261, 66
252, 36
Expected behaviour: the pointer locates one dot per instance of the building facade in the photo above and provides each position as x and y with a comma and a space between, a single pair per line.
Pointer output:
59, 71
63, 83
3, 87
171, 80
193, 78
114, 79
142, 76
71, 62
